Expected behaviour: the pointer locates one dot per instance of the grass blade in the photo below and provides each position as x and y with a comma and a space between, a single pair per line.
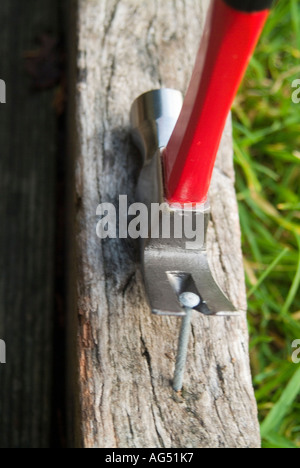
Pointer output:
267, 272
278, 441
281, 408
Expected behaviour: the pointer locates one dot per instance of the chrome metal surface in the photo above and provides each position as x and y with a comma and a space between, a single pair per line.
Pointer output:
153, 117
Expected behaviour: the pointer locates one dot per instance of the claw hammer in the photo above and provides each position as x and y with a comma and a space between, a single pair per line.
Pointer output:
179, 141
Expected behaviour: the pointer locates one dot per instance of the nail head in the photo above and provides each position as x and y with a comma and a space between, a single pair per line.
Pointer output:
189, 299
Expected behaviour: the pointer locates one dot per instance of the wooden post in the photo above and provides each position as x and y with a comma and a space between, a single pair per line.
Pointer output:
126, 356
28, 136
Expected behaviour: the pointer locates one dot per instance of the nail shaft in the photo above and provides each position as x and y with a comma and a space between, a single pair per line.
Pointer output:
182, 350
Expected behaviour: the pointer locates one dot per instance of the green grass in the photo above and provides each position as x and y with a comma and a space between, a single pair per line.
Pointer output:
267, 157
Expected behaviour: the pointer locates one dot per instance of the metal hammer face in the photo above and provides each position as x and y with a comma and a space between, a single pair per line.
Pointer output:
172, 263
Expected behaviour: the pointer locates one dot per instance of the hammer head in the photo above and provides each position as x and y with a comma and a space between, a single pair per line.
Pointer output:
173, 262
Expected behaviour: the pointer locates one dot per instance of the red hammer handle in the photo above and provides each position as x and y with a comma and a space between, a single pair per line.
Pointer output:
231, 33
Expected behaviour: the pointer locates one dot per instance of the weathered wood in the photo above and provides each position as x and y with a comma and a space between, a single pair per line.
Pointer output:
27, 204
125, 355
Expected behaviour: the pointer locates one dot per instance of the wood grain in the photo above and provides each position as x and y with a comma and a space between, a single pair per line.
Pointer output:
125, 355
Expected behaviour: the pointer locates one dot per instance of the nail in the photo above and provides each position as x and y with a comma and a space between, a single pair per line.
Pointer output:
189, 301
